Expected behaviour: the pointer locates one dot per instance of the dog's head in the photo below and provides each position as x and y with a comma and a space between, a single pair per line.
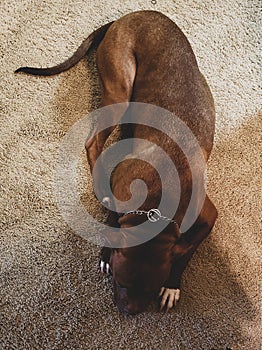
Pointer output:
137, 278
139, 272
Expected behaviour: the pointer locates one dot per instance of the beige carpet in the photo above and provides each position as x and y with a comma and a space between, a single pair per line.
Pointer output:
51, 294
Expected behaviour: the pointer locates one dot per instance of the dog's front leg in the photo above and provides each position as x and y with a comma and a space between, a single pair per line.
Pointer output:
183, 251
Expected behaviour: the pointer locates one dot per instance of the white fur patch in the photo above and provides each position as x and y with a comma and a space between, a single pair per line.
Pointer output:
107, 201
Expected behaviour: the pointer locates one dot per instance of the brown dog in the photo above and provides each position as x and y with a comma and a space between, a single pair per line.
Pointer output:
144, 57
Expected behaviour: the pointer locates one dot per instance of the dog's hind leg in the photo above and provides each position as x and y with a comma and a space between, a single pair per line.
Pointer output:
117, 68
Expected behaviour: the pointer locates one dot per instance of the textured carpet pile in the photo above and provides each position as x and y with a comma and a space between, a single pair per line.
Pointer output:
51, 294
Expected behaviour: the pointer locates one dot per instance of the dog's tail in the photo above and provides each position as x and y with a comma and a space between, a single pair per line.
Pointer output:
91, 41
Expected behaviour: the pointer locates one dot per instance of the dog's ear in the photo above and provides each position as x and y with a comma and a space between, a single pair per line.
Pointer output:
130, 220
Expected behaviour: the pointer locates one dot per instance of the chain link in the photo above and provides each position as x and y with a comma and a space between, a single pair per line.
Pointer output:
153, 215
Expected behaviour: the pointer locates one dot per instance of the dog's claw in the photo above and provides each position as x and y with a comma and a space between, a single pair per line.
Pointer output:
107, 268
102, 264
104, 267
169, 298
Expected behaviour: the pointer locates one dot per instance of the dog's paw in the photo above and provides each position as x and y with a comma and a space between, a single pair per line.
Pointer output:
104, 267
169, 298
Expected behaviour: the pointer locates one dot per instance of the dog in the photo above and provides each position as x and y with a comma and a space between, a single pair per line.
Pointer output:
144, 57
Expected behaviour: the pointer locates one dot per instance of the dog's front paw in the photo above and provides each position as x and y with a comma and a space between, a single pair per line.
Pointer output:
169, 297
104, 267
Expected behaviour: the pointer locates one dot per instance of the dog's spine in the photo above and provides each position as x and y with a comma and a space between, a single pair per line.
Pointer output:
91, 41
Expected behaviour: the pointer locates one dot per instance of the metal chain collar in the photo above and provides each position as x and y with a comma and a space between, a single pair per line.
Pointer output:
153, 215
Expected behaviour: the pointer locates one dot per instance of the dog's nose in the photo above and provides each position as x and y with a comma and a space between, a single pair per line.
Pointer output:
131, 309
127, 308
